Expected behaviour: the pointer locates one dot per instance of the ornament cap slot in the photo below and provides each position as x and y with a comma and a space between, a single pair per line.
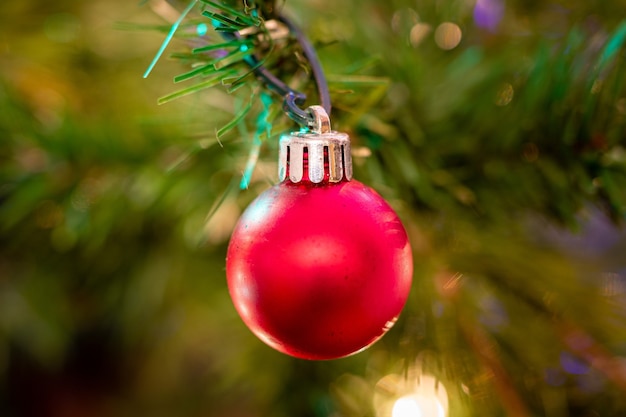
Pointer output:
296, 153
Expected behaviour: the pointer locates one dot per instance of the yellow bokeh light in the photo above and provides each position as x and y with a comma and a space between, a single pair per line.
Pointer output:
418, 33
406, 407
505, 95
448, 35
418, 406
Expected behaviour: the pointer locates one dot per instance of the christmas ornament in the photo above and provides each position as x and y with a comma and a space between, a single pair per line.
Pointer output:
319, 266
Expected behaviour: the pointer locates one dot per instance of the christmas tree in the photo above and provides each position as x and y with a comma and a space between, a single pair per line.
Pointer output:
495, 129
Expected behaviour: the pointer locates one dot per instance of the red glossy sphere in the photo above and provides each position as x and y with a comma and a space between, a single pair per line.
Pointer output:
319, 271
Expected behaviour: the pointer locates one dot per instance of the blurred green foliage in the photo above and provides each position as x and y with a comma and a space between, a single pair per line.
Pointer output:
115, 212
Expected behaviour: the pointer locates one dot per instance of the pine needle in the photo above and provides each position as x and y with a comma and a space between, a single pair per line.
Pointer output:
228, 22
245, 19
223, 45
264, 126
194, 88
201, 70
237, 119
169, 37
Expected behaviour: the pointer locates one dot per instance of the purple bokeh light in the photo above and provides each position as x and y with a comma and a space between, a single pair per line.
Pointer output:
573, 365
488, 14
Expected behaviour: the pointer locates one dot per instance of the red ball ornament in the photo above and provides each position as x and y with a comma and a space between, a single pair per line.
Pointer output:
319, 266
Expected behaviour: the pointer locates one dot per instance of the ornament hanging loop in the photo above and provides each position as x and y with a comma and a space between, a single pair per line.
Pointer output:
319, 121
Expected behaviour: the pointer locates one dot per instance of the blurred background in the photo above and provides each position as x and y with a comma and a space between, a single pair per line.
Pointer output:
494, 127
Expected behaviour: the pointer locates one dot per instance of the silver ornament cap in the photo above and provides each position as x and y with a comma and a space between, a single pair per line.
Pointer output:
320, 151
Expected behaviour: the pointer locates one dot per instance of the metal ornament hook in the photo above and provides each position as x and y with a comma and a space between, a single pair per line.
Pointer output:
291, 109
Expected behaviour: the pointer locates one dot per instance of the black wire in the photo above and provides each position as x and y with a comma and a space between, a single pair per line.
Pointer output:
314, 62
